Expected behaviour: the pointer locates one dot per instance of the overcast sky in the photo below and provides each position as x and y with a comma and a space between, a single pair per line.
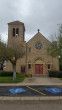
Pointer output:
35, 14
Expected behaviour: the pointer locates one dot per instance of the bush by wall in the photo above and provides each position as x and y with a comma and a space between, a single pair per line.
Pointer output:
60, 66
28, 75
56, 74
5, 73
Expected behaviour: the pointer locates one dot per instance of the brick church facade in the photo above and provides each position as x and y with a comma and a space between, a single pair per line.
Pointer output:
36, 59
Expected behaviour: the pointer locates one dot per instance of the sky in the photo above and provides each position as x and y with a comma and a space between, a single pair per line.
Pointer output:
45, 15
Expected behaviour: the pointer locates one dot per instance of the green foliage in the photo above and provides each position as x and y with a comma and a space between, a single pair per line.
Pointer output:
19, 78
28, 75
55, 48
8, 73
5, 73
60, 66
56, 74
11, 53
2, 51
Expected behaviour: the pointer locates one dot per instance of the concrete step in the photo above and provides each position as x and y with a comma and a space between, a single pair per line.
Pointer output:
40, 75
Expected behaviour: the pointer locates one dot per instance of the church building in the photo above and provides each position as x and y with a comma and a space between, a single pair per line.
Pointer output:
36, 59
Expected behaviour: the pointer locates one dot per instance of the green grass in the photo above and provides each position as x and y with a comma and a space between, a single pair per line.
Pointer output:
19, 78
60, 78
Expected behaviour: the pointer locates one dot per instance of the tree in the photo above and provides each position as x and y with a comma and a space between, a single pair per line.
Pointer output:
60, 46
2, 58
17, 51
55, 48
12, 53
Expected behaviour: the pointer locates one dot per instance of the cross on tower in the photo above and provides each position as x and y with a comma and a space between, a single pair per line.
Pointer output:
38, 30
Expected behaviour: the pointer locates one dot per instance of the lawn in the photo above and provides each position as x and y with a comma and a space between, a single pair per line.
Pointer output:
7, 79
60, 78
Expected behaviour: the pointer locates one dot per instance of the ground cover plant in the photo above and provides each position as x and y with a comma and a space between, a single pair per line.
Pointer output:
6, 77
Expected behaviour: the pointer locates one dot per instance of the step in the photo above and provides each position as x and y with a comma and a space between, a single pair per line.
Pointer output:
40, 75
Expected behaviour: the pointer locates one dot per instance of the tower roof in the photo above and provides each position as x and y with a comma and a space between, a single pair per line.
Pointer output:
16, 23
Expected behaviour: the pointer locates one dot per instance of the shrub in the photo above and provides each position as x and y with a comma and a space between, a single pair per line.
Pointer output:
56, 74
5, 73
60, 66
28, 75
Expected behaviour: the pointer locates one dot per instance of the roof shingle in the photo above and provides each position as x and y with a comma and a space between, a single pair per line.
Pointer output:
16, 22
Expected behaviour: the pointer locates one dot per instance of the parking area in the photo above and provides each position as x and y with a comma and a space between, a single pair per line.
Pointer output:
18, 91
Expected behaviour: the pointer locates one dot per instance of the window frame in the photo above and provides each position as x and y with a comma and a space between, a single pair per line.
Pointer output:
49, 67
29, 49
29, 66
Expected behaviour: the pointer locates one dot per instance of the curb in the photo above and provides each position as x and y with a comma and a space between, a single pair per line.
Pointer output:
30, 84
3, 98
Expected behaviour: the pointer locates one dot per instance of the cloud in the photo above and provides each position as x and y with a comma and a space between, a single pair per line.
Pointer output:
42, 14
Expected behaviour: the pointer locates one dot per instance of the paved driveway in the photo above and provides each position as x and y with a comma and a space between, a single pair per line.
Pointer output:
41, 81
19, 91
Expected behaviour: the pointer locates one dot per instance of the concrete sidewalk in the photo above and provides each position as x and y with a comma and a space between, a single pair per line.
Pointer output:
36, 81
41, 81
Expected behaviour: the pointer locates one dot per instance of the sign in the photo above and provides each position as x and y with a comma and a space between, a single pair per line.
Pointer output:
17, 90
53, 90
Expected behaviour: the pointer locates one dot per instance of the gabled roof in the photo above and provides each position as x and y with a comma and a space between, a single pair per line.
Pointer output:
17, 23
40, 35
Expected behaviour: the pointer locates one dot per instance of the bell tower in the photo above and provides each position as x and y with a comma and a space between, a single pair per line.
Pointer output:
16, 31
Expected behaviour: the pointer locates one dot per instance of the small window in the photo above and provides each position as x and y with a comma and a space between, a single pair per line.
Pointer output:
29, 50
23, 69
29, 66
48, 66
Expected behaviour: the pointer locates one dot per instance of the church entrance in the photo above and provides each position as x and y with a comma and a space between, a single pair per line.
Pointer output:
38, 68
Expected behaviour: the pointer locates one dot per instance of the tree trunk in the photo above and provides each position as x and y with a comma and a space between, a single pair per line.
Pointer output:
14, 72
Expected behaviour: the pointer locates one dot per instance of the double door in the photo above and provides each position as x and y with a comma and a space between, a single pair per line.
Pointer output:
38, 68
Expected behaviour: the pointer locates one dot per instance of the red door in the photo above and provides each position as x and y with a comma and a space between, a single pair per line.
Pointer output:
38, 68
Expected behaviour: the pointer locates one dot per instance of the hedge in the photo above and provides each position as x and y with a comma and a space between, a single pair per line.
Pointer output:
5, 73
60, 66
56, 74
28, 75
